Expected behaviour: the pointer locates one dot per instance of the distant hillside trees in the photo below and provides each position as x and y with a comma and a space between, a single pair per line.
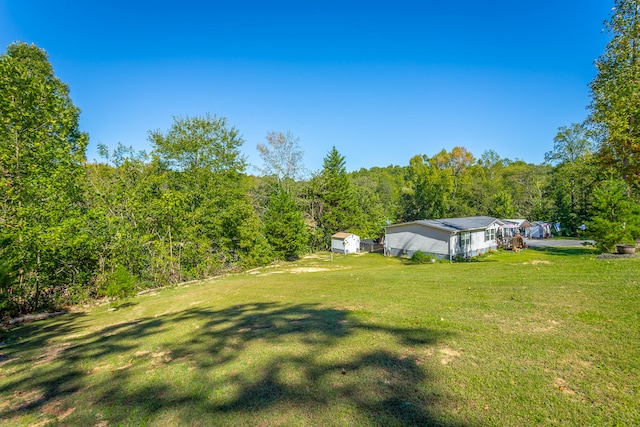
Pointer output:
454, 183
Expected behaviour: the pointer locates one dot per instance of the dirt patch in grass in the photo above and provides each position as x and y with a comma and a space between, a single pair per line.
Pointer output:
270, 273
299, 270
23, 399
52, 353
448, 355
537, 262
547, 326
561, 385
98, 369
161, 357
57, 409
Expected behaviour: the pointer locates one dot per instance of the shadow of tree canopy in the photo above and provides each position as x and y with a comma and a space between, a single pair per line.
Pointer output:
252, 364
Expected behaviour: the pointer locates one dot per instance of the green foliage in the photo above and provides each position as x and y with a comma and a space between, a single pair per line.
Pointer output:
6, 302
502, 205
420, 257
188, 210
200, 143
616, 217
374, 214
334, 205
285, 229
615, 92
42, 153
181, 213
121, 283
572, 177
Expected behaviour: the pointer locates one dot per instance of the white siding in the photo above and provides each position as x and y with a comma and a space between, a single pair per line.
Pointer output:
406, 239
478, 245
348, 245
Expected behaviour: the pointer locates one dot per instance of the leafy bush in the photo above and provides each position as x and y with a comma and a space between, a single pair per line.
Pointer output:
616, 218
121, 284
420, 257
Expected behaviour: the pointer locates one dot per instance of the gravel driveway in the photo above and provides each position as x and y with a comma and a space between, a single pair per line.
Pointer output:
542, 243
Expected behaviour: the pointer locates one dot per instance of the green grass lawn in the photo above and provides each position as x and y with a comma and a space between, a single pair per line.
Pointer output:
538, 337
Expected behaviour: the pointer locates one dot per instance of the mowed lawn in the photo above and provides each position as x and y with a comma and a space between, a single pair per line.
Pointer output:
539, 337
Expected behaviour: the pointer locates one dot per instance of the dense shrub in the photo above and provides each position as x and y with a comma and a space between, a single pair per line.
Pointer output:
420, 257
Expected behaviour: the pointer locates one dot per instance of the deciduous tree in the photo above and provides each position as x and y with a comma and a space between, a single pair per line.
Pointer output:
42, 154
615, 92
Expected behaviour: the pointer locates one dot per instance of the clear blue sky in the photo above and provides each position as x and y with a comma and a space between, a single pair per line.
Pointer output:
380, 80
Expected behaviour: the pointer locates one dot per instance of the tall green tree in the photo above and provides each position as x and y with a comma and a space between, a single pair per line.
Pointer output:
615, 92
206, 169
339, 208
378, 191
528, 186
430, 189
42, 154
285, 228
126, 192
616, 215
368, 197
573, 175
440, 185
282, 168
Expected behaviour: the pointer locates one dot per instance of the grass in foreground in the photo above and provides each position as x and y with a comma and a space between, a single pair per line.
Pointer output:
547, 337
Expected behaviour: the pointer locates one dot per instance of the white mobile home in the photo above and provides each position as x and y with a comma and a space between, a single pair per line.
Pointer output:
521, 226
540, 230
345, 243
444, 238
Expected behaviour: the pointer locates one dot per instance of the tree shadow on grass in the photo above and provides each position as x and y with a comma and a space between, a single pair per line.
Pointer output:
262, 363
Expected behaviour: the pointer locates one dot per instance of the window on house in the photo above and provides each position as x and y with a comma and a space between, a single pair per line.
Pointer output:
489, 234
465, 239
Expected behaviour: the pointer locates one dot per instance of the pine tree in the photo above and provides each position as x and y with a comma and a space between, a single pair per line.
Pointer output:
285, 229
340, 210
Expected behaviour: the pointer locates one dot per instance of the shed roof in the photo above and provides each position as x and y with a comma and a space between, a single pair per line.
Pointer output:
341, 235
520, 222
457, 224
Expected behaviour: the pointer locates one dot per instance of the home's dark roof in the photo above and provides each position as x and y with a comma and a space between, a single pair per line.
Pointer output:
459, 224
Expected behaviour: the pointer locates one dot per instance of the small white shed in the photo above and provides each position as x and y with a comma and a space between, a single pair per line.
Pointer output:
345, 243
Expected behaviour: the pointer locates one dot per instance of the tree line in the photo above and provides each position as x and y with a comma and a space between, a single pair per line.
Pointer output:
73, 230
